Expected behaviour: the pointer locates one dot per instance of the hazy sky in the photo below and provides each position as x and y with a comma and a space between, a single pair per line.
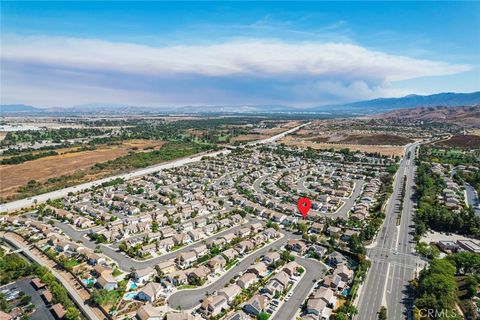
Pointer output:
193, 53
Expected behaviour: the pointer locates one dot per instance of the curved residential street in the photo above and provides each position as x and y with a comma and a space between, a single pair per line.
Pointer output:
188, 299
29, 202
314, 270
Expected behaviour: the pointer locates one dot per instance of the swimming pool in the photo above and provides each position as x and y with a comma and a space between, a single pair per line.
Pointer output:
88, 281
130, 296
133, 286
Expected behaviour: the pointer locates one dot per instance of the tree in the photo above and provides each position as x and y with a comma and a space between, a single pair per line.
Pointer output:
123, 246
25, 300
155, 226
263, 316
382, 314
302, 227
287, 256
72, 314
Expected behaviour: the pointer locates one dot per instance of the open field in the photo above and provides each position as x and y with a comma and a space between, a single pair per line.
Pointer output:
475, 132
14, 176
375, 139
250, 137
384, 150
462, 141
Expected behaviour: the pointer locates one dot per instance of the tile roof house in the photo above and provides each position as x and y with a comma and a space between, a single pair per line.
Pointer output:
213, 305
107, 281
151, 292
178, 277
148, 312
327, 294
255, 305
166, 266
230, 292
318, 308
217, 263
246, 280
186, 259
143, 275
291, 268
271, 257
230, 254
259, 269
200, 272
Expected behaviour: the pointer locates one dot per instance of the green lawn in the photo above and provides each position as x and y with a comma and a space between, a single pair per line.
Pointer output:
231, 264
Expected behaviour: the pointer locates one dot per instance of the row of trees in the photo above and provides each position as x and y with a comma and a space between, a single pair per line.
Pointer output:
28, 157
432, 214
437, 288
13, 267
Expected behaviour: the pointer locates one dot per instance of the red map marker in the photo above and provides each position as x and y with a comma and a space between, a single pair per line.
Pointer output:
304, 205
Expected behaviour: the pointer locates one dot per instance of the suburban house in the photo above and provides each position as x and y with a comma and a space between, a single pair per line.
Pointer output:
143, 275
255, 305
148, 312
230, 292
213, 305
150, 292
246, 280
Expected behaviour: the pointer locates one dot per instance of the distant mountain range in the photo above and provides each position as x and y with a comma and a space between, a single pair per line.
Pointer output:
19, 108
380, 105
464, 116
367, 107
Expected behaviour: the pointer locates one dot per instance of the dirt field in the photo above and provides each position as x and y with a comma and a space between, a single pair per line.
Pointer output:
462, 141
14, 176
475, 132
375, 139
248, 137
384, 150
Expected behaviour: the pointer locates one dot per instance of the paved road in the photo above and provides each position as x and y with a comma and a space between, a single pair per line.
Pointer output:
342, 212
471, 196
86, 309
388, 277
41, 309
125, 262
314, 271
29, 202
188, 299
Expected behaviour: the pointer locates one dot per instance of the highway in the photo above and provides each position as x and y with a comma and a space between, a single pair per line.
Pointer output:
29, 202
392, 256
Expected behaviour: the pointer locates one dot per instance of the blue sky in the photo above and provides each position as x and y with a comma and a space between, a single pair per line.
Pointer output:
194, 53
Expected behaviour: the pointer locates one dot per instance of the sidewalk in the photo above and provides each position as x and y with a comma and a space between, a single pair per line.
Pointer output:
62, 276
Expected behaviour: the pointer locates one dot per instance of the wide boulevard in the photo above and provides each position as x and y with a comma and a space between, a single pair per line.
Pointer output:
392, 255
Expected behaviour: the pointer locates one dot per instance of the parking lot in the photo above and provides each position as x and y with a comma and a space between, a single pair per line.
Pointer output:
13, 289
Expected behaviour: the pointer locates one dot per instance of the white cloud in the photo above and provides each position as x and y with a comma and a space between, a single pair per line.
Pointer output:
308, 71
229, 58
